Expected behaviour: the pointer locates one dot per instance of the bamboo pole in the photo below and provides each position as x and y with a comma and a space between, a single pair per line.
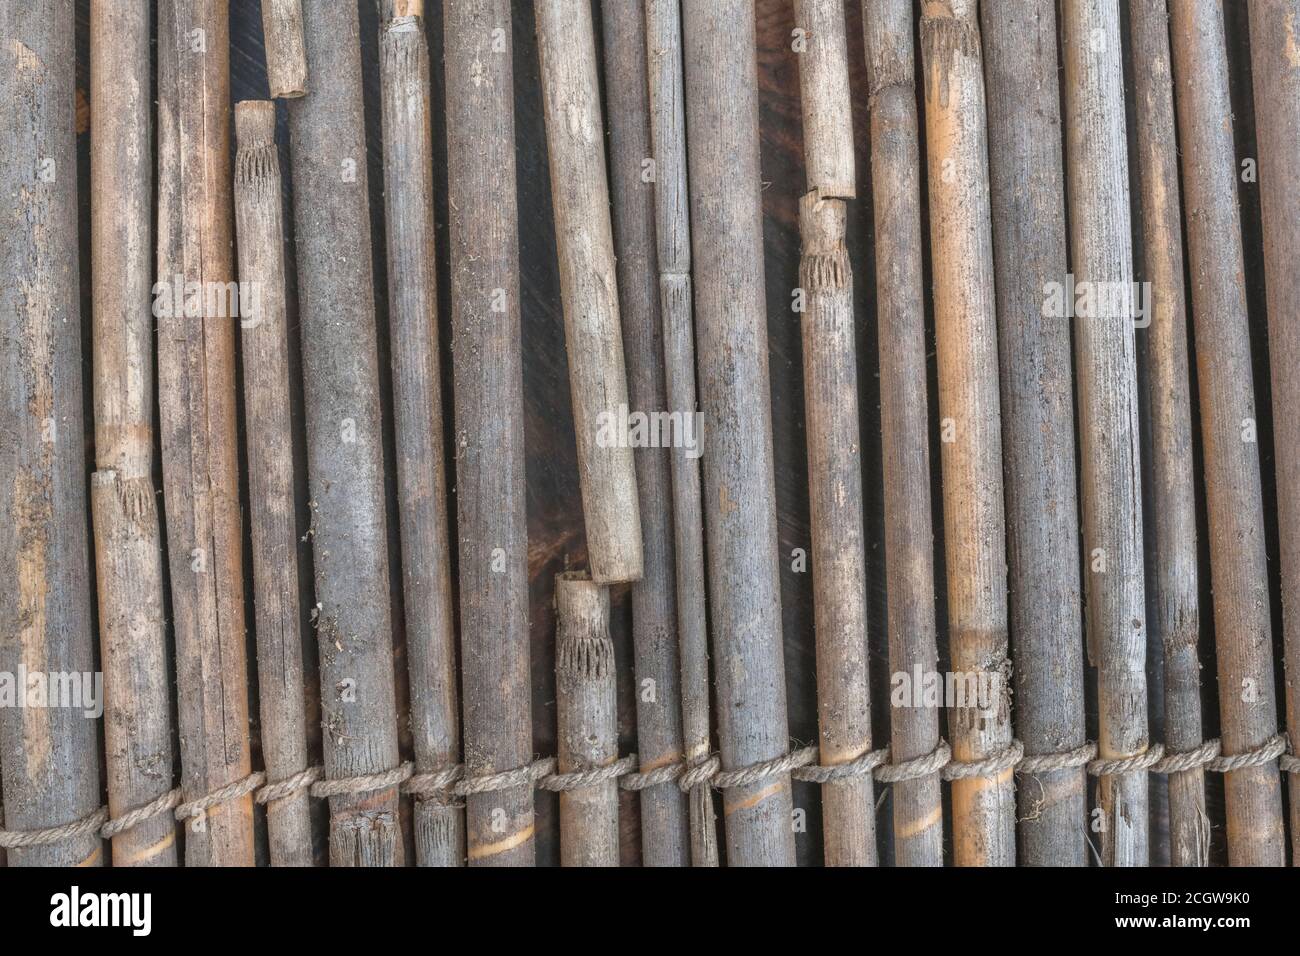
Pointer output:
286, 53
264, 346
1176, 573
1238, 563
974, 533
673, 242
487, 366
417, 401
50, 765
904, 417
587, 708
344, 447
665, 834
585, 247
1274, 38
726, 207
197, 412
1101, 246
1027, 190
140, 760
834, 443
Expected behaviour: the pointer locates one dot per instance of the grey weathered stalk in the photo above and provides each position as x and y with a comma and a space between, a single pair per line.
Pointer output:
1027, 186
417, 402
286, 50
665, 835
197, 418
984, 811
49, 754
345, 466
673, 241
1173, 493
586, 703
264, 346
726, 220
904, 418
584, 240
824, 95
487, 365
1101, 246
1238, 564
140, 759
1274, 38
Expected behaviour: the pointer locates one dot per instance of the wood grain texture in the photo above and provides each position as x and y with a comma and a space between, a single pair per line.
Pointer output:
286, 51
824, 91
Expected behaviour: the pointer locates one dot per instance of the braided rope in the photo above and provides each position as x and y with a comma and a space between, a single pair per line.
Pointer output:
1121, 765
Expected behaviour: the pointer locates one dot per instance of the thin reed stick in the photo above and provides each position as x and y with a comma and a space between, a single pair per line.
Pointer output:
286, 51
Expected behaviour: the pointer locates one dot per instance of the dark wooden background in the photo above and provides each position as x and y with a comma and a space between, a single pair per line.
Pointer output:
556, 538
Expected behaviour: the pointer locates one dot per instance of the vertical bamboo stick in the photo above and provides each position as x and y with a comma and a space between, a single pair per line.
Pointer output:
128, 552
834, 441
1238, 563
1028, 201
196, 398
344, 450
286, 53
1176, 573
1274, 38
726, 208
489, 424
1101, 246
587, 708
585, 246
673, 241
962, 253
900, 305
51, 772
264, 346
665, 836
422, 489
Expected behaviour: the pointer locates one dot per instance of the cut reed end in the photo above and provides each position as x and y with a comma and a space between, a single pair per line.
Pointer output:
394, 9
254, 123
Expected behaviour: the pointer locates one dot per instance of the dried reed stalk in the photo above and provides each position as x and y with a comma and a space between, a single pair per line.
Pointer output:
673, 241
197, 415
487, 365
140, 758
904, 418
824, 98
286, 51
345, 466
962, 252
1175, 577
49, 754
417, 402
1028, 200
665, 832
726, 206
264, 345
1238, 564
1274, 38
1101, 247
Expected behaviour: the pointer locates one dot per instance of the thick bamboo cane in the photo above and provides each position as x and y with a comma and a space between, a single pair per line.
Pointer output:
140, 759
49, 754
726, 213
673, 240
587, 708
1028, 199
983, 807
1238, 563
286, 52
1274, 38
488, 373
1101, 246
264, 346
665, 834
1175, 577
344, 447
585, 247
417, 401
197, 415
900, 308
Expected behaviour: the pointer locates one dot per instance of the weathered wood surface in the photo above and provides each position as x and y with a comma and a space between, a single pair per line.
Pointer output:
824, 94
286, 51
